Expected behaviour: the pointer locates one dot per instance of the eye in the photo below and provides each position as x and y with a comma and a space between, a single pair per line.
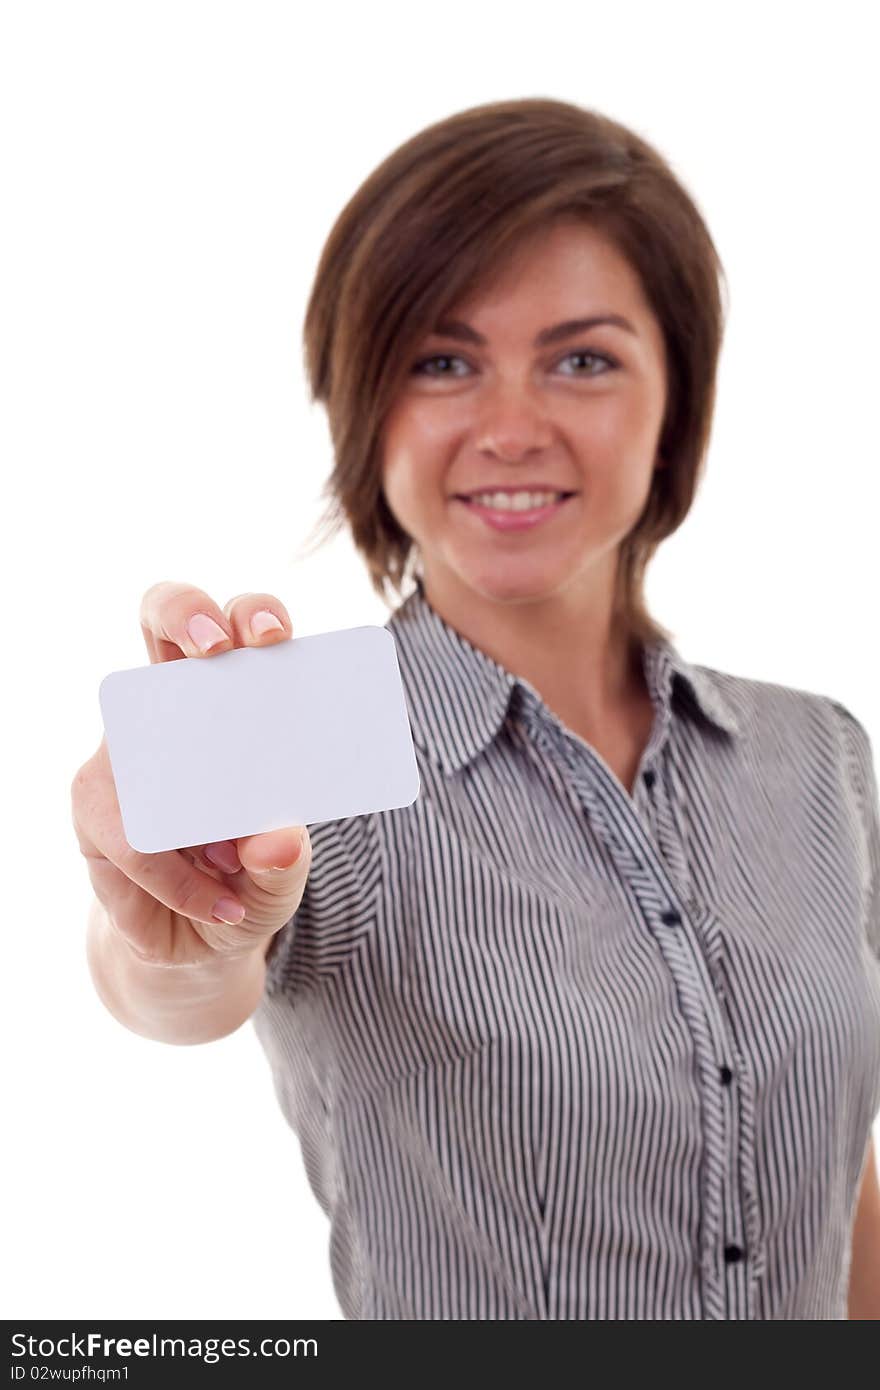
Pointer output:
610, 364
419, 368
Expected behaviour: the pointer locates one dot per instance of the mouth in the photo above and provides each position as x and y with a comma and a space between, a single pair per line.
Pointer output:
470, 496
509, 518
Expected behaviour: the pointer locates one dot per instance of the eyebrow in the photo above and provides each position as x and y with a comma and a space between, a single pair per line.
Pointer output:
455, 328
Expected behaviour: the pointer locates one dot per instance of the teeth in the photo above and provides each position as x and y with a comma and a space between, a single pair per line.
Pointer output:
517, 501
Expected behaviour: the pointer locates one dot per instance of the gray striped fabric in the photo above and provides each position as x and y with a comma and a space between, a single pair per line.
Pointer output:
556, 1052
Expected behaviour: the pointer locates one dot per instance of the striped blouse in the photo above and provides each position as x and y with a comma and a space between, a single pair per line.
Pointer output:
555, 1051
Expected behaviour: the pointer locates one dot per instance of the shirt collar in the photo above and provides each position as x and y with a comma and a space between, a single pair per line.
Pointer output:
458, 696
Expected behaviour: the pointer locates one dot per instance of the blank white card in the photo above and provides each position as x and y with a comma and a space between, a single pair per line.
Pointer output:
259, 738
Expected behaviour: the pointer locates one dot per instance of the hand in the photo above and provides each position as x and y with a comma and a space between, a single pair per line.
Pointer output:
165, 904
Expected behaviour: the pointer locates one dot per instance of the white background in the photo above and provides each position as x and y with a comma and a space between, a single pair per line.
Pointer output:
170, 172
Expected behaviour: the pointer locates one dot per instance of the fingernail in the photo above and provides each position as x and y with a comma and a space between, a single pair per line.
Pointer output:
264, 621
205, 632
223, 856
229, 911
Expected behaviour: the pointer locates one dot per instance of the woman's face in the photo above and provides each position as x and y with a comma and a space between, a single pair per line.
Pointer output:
580, 414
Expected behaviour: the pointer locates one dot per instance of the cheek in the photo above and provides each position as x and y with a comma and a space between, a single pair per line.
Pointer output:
409, 487
393, 461
612, 426
617, 485
413, 463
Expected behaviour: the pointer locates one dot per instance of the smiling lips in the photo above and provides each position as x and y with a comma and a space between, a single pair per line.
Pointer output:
510, 489
510, 518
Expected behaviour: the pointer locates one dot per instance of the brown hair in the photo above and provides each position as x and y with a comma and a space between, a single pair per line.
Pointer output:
431, 224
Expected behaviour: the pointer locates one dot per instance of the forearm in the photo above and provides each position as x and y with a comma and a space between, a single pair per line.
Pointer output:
173, 1004
864, 1286
864, 1279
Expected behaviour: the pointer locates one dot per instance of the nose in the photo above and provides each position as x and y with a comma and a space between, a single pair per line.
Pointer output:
511, 422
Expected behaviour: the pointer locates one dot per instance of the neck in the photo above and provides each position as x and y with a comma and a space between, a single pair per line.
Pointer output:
585, 668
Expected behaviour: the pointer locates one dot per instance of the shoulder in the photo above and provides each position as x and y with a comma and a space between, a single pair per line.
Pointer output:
819, 734
761, 705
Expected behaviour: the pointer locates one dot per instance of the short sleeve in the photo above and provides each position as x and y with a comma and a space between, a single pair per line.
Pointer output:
863, 780
339, 906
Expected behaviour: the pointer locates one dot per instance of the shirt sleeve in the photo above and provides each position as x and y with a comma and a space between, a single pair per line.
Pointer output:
863, 780
339, 906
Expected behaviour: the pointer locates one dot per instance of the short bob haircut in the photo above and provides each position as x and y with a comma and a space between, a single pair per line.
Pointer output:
430, 225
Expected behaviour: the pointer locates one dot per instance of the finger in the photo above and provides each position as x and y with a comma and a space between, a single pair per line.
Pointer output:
258, 620
179, 620
267, 852
223, 855
276, 859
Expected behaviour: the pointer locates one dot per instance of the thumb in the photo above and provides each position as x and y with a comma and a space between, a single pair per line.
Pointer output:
272, 857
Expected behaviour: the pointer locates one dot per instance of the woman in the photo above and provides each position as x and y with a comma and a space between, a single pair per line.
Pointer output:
592, 1028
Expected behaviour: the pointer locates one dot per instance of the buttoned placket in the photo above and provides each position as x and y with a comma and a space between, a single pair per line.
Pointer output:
644, 835
743, 1253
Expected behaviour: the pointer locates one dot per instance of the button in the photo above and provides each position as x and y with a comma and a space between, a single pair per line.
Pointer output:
649, 776
670, 917
732, 1253
726, 1076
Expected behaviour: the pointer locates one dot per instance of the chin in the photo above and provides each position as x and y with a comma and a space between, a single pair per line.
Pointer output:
511, 586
